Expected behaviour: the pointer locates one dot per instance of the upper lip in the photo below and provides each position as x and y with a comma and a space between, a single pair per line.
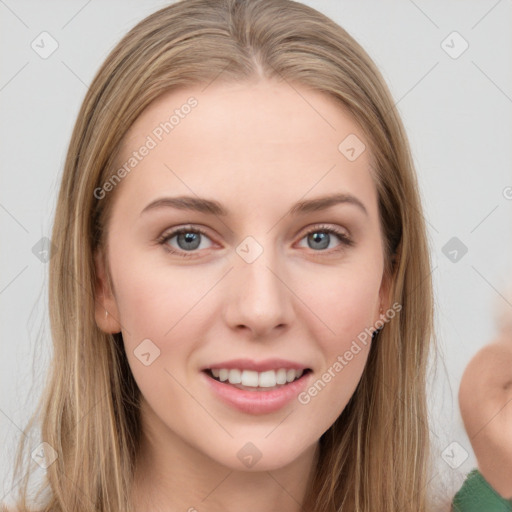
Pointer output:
258, 366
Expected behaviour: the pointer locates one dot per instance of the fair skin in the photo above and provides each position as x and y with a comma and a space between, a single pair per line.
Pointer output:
485, 398
257, 149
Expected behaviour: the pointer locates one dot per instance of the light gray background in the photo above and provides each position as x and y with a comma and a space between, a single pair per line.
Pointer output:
457, 112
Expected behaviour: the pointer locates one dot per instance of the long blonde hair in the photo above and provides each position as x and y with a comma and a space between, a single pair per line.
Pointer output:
376, 456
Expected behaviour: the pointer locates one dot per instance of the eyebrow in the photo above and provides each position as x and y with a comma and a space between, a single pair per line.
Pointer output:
213, 207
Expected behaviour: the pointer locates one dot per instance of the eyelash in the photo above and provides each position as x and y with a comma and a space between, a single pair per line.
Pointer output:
162, 240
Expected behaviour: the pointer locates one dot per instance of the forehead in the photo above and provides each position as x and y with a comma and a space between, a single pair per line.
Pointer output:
278, 141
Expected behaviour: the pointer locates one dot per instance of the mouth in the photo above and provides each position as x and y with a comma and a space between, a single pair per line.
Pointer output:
251, 380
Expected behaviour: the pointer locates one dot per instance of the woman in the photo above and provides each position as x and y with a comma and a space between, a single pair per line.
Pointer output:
280, 364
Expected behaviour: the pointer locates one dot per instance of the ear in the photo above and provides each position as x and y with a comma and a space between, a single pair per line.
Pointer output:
384, 296
385, 291
106, 312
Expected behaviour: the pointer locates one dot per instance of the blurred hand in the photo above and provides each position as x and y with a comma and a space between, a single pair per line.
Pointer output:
485, 400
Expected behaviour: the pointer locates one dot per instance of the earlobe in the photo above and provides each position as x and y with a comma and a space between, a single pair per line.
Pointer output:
105, 305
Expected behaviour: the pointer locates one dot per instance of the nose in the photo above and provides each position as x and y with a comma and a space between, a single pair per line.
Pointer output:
259, 299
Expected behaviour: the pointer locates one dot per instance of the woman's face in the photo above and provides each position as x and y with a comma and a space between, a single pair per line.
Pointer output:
265, 278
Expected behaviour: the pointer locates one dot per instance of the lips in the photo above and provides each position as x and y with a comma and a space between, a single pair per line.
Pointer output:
255, 399
256, 375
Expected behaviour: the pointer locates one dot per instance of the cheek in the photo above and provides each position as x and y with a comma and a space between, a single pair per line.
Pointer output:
152, 299
344, 301
156, 304
171, 308
348, 310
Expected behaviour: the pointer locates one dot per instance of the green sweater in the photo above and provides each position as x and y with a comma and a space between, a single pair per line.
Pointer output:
476, 495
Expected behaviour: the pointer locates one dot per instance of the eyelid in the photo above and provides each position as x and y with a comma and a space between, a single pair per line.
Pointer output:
345, 238
172, 232
343, 234
326, 227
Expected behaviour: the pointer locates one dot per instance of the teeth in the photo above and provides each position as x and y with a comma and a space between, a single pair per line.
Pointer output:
249, 378
267, 379
281, 376
235, 376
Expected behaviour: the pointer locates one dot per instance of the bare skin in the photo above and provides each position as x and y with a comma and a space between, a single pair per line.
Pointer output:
485, 399
257, 149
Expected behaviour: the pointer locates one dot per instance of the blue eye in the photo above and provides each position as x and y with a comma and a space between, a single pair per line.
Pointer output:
189, 240
323, 237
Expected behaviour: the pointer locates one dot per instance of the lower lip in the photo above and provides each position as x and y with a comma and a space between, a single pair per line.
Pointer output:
258, 402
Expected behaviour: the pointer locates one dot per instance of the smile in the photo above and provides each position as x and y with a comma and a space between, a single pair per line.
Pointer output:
256, 387
251, 380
